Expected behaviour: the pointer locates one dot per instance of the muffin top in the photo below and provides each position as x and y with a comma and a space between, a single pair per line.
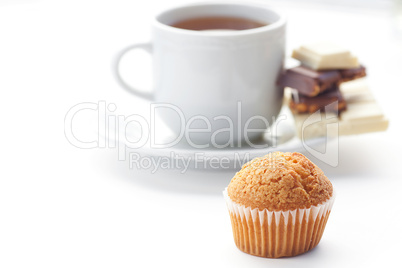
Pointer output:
280, 181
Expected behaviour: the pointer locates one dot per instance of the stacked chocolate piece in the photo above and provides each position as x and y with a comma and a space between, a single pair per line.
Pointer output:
318, 90
316, 82
323, 82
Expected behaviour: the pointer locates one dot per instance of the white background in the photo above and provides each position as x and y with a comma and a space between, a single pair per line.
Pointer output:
61, 206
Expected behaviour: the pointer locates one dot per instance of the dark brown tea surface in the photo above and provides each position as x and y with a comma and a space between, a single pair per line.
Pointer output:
218, 23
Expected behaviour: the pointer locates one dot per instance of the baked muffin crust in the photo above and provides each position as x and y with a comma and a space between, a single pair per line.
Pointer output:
280, 181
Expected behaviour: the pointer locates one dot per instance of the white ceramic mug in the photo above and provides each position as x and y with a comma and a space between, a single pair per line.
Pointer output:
216, 75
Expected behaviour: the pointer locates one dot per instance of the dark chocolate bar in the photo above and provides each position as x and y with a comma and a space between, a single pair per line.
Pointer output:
329, 101
309, 82
352, 74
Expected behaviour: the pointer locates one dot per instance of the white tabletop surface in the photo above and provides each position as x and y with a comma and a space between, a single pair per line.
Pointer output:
61, 206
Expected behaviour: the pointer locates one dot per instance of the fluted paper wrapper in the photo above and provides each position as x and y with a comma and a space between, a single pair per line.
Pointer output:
275, 234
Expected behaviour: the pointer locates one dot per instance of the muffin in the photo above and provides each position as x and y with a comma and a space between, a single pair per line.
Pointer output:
279, 205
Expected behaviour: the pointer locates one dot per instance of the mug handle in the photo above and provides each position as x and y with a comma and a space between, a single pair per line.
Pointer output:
148, 48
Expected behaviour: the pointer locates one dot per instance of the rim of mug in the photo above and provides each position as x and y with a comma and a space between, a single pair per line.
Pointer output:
272, 26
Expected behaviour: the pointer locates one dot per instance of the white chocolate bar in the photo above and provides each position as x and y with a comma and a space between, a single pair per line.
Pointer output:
357, 96
325, 55
348, 128
362, 111
363, 115
307, 127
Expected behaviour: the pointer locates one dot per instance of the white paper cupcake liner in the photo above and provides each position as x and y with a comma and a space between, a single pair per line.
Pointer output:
276, 234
